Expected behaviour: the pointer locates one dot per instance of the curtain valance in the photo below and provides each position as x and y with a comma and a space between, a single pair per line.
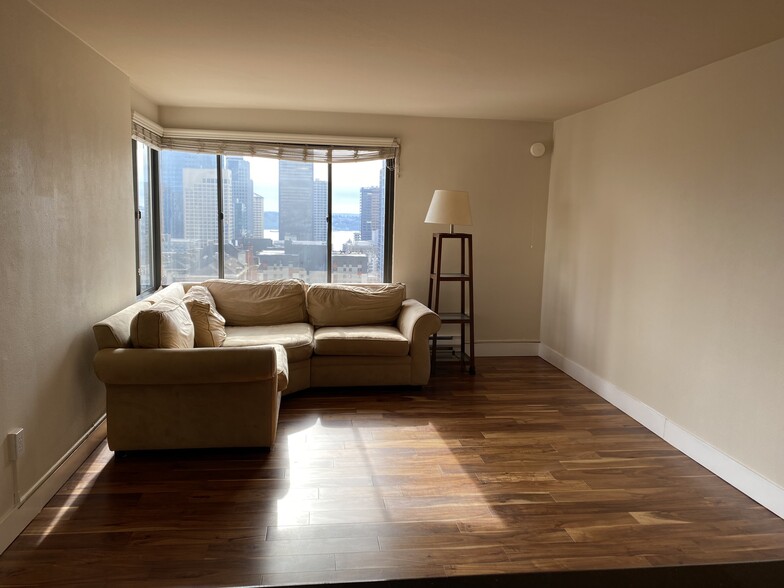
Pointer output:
311, 148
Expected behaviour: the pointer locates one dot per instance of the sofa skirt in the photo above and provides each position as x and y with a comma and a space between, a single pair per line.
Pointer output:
332, 371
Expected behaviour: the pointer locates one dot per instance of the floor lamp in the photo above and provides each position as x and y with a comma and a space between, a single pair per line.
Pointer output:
451, 207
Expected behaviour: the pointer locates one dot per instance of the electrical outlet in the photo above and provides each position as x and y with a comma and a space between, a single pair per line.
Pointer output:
17, 442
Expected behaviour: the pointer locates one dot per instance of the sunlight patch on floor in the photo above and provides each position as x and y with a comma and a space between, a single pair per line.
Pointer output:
372, 472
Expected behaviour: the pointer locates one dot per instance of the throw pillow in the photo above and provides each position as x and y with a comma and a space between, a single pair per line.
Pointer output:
208, 324
166, 324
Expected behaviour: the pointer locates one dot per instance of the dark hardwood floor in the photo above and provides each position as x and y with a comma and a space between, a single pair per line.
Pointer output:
518, 469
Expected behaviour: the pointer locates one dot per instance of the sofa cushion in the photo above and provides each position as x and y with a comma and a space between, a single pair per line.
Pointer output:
365, 340
344, 305
249, 304
115, 331
208, 324
296, 338
166, 324
175, 290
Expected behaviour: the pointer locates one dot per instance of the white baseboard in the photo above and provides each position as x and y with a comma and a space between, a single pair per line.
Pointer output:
42, 492
755, 486
506, 348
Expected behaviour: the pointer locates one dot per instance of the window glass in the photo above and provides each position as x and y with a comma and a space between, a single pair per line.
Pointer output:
358, 221
280, 219
144, 218
299, 249
189, 217
237, 203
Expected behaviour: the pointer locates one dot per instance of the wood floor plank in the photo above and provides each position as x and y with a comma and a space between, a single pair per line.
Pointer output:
420, 557
387, 529
549, 565
516, 469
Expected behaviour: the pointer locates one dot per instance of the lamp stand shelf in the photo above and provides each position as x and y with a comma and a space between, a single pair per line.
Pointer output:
465, 316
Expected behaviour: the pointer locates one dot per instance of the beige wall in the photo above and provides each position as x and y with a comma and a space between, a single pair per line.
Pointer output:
66, 234
489, 159
143, 105
665, 237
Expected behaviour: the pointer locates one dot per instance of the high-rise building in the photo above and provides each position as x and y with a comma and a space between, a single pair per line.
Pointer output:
172, 196
320, 210
199, 189
239, 207
295, 200
242, 196
369, 212
258, 216
382, 223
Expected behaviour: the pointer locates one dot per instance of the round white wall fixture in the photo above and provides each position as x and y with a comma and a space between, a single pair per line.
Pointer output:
538, 149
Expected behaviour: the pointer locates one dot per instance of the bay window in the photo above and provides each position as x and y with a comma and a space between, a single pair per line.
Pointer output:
284, 210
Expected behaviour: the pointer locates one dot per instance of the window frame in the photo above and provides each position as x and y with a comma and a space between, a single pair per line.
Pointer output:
220, 163
154, 220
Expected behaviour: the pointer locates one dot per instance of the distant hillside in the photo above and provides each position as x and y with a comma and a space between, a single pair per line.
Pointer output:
341, 221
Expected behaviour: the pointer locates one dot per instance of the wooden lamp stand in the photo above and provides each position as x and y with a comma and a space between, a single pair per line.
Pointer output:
465, 317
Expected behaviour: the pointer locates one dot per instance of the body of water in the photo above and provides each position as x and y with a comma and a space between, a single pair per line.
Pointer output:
338, 237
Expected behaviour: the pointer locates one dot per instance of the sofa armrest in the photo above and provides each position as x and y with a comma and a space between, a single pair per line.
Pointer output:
416, 319
417, 322
203, 365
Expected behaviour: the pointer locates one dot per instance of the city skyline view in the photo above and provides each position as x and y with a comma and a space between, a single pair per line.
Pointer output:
276, 219
348, 177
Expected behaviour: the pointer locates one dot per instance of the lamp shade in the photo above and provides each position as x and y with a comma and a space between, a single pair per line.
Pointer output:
449, 207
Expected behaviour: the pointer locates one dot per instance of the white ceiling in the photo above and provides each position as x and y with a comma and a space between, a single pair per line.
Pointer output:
504, 59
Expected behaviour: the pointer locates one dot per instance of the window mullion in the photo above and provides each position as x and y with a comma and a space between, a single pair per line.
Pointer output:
155, 186
134, 163
389, 189
219, 163
329, 222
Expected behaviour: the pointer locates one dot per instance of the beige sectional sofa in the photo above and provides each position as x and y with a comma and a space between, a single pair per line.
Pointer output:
205, 365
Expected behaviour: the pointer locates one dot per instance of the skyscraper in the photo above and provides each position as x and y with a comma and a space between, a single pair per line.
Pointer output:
242, 196
199, 187
370, 212
258, 216
382, 222
320, 210
172, 196
295, 200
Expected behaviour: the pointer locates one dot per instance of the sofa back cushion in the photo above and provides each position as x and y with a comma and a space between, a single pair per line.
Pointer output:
254, 304
346, 305
175, 290
208, 324
164, 325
